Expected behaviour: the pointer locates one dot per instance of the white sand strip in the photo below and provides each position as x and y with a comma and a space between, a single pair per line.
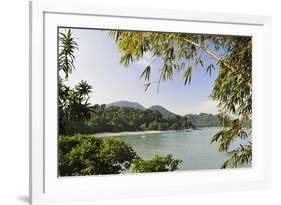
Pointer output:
115, 134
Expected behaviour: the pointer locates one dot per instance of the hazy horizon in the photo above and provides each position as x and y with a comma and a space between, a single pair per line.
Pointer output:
97, 62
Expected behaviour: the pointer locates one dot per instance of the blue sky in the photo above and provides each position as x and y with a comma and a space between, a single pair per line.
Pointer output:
97, 62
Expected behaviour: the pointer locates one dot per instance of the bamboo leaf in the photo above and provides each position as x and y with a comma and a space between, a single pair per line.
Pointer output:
146, 86
146, 73
187, 75
209, 69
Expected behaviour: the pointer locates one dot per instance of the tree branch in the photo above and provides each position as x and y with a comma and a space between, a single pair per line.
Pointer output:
215, 56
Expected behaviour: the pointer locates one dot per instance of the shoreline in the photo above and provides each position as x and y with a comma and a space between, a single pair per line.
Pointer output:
117, 134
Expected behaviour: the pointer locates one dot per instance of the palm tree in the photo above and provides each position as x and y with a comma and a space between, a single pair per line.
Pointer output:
73, 103
84, 90
67, 47
78, 107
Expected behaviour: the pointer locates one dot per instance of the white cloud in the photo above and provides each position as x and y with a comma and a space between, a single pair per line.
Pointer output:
207, 106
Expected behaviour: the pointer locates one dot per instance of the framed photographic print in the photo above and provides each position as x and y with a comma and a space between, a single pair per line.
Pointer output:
129, 102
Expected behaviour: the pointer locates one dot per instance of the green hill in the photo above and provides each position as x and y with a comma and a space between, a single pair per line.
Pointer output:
203, 120
128, 104
165, 113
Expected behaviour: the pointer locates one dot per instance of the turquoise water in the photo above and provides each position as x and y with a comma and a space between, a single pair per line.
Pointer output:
192, 147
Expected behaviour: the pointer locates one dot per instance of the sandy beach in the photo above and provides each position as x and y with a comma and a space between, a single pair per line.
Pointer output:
116, 134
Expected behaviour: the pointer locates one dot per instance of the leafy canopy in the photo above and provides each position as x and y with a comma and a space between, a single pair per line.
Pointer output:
81, 155
118, 119
156, 164
89, 155
180, 52
73, 103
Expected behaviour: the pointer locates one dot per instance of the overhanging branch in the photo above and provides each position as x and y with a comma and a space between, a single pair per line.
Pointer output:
215, 56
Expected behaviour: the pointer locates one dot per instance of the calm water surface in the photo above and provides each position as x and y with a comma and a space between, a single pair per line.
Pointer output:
192, 147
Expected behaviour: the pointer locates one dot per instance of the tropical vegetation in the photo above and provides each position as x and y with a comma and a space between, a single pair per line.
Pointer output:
118, 119
177, 53
203, 120
156, 164
88, 155
81, 155
182, 53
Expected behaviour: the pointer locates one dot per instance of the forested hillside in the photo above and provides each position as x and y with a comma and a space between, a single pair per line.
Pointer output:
117, 119
203, 120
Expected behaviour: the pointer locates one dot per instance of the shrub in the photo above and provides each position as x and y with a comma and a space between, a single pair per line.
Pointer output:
89, 155
156, 164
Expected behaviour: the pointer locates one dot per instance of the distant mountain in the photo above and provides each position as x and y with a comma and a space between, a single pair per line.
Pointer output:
203, 120
200, 120
162, 110
124, 103
135, 105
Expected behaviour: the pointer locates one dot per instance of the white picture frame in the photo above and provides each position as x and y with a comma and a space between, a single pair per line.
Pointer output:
46, 187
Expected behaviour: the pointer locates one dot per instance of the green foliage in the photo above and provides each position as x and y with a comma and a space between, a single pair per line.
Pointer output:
165, 113
89, 155
146, 73
203, 120
235, 98
81, 155
124, 103
241, 156
233, 93
67, 47
73, 103
146, 86
187, 75
117, 119
209, 69
233, 129
156, 164
180, 52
